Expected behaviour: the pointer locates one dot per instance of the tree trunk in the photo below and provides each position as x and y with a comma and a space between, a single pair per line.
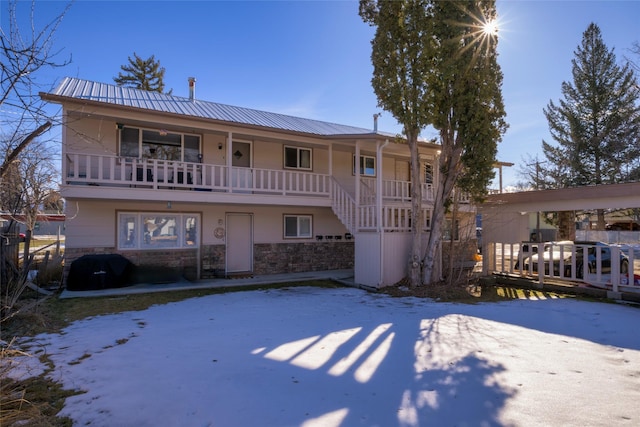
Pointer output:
449, 165
601, 223
566, 225
414, 268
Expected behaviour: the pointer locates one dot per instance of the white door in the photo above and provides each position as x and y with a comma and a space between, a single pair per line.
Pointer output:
239, 251
242, 178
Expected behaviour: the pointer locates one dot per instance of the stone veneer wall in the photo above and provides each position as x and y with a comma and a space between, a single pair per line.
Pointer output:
278, 258
213, 261
300, 257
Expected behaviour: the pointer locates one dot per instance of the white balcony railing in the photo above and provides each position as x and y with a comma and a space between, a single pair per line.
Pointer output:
392, 190
114, 171
151, 173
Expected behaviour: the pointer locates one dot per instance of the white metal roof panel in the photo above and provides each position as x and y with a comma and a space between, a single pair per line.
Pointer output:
129, 97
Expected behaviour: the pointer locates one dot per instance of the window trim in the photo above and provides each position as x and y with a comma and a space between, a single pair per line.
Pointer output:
298, 151
140, 149
363, 168
138, 238
298, 217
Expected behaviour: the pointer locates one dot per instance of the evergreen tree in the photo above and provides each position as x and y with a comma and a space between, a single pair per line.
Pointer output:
435, 63
597, 123
146, 74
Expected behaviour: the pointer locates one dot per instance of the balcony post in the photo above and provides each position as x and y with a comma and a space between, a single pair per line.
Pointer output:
228, 161
379, 169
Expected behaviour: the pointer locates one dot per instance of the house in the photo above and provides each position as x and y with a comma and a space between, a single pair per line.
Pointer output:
210, 189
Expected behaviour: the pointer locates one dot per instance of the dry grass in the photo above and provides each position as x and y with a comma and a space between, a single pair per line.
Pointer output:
31, 402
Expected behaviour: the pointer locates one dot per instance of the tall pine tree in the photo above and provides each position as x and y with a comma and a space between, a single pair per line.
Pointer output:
597, 124
141, 73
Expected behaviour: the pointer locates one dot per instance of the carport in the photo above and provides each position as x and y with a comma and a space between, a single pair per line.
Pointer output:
505, 216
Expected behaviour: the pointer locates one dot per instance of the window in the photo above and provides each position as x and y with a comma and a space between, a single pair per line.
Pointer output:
297, 226
159, 144
151, 230
297, 158
428, 173
130, 142
451, 230
367, 165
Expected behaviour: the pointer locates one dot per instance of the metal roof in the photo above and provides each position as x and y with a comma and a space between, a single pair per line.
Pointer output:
79, 89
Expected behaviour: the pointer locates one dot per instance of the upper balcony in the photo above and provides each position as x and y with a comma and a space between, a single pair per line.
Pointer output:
152, 179
149, 178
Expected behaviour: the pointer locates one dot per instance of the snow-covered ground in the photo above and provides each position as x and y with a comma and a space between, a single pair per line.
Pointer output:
306, 356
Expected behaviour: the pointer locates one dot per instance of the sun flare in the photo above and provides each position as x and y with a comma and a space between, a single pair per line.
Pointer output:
490, 28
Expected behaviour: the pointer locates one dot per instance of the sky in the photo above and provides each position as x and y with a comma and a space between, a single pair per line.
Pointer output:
312, 58
319, 357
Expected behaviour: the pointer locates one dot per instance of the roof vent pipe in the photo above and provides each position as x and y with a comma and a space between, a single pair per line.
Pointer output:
192, 88
375, 121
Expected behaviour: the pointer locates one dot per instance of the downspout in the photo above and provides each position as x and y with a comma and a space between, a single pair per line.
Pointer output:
356, 166
330, 182
379, 205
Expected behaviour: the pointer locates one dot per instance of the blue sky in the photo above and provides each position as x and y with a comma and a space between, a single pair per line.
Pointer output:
312, 58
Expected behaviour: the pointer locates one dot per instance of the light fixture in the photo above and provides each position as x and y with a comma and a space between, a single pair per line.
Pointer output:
220, 146
119, 126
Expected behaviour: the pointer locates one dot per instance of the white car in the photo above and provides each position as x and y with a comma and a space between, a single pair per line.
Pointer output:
560, 255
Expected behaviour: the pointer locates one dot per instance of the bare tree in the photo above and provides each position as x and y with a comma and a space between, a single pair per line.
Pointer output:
26, 52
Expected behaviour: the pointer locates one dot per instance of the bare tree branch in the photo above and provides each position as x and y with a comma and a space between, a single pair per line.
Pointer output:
16, 151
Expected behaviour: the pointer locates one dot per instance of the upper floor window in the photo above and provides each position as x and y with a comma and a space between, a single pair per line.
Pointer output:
298, 226
297, 158
367, 165
428, 173
159, 144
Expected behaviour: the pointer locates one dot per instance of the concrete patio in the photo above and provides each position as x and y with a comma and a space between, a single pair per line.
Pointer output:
342, 276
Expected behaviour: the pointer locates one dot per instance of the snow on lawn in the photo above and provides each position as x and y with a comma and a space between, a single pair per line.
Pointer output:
343, 357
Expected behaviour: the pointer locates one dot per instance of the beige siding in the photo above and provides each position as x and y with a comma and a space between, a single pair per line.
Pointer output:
210, 151
92, 136
93, 223
90, 224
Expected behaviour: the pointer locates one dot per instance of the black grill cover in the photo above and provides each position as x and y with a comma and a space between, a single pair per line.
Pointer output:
102, 271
